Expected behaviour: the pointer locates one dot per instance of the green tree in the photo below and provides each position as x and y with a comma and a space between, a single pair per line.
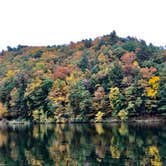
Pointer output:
5, 89
38, 98
79, 99
116, 75
162, 100
83, 64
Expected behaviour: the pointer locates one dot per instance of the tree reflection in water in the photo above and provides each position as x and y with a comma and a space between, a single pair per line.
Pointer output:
83, 144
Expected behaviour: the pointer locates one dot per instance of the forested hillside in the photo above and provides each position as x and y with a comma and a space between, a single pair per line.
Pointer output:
95, 79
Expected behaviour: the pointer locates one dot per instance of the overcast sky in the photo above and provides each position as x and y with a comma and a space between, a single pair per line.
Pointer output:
49, 22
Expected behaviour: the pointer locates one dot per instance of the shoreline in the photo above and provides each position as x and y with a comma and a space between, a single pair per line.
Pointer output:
137, 120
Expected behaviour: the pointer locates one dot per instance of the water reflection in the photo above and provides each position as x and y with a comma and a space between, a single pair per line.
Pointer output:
83, 144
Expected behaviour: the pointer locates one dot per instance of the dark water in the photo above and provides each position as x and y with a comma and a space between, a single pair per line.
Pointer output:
83, 145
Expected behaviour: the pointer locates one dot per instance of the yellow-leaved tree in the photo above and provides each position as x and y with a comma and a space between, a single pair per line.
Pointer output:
3, 110
117, 101
98, 100
33, 85
59, 97
153, 86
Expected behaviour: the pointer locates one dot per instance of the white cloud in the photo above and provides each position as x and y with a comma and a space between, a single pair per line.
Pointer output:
49, 22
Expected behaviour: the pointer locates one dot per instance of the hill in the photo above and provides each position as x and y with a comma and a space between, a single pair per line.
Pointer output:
106, 77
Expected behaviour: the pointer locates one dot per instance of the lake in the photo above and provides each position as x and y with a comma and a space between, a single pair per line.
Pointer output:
83, 145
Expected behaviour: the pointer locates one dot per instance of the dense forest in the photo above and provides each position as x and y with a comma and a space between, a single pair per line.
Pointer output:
107, 77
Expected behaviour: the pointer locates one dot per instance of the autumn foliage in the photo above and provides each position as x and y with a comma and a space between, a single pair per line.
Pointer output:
88, 80
61, 72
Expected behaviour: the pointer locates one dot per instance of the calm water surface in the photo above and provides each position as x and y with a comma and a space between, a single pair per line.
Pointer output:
83, 145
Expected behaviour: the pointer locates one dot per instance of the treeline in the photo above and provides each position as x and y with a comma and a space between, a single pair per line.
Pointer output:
95, 79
